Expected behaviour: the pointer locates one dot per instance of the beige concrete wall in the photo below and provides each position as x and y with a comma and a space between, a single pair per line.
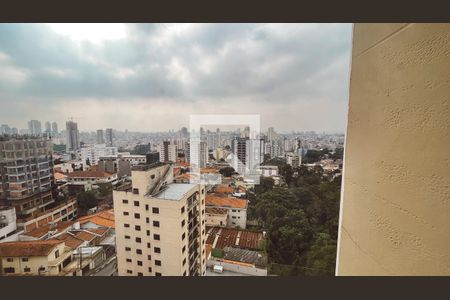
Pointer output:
395, 212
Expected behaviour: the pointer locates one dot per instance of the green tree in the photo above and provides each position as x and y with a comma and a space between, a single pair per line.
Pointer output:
321, 258
227, 171
104, 189
86, 200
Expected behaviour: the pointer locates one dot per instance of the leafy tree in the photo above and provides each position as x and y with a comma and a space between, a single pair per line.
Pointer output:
86, 200
321, 258
227, 171
104, 189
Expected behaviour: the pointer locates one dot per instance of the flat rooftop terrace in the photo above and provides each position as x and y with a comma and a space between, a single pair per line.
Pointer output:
175, 191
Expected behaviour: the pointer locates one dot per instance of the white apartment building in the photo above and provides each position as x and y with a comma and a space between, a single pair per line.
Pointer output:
94, 152
268, 171
8, 227
293, 160
160, 226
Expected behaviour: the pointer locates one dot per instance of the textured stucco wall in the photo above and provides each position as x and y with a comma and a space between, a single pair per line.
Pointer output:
395, 212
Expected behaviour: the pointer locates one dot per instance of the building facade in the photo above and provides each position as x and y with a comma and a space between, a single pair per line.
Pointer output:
160, 226
72, 136
26, 174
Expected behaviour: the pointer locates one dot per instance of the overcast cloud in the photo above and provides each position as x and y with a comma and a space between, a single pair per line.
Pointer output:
155, 75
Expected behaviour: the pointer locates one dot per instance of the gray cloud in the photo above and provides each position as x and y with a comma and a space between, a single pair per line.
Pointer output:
238, 68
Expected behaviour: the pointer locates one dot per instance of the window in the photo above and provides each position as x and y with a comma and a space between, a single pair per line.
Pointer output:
233, 217
126, 225
26, 269
129, 272
203, 191
135, 191
10, 259
184, 261
140, 274
148, 232
233, 210
56, 253
147, 220
157, 262
184, 249
157, 250
9, 270
182, 209
127, 237
156, 223
156, 237
146, 206
158, 274
137, 227
148, 245
125, 201
150, 269
136, 203
129, 260
125, 213
127, 249
138, 251
183, 236
24, 258
182, 223
155, 210
139, 263
149, 257
138, 240
137, 216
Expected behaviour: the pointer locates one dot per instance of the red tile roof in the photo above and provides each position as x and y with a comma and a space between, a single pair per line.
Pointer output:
89, 174
103, 218
28, 248
214, 200
41, 231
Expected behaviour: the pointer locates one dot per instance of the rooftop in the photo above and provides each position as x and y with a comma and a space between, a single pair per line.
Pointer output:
103, 218
175, 191
239, 238
215, 200
216, 210
43, 230
28, 248
89, 174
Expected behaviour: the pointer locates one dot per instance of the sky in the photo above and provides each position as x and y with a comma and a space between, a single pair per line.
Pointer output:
152, 77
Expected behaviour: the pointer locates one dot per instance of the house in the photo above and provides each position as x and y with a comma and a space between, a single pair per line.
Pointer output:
236, 208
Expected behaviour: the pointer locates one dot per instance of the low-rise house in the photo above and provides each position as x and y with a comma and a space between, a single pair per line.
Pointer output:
48, 257
236, 208
235, 261
88, 180
216, 216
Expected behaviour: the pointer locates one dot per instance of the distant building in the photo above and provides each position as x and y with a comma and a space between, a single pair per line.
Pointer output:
120, 163
109, 137
55, 128
93, 153
48, 127
5, 129
293, 160
34, 127
167, 152
100, 138
72, 136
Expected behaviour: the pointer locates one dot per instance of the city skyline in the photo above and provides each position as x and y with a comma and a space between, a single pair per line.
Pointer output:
151, 77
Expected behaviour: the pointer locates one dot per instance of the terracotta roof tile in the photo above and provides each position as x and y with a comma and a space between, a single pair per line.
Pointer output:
85, 236
41, 231
214, 200
85, 174
28, 248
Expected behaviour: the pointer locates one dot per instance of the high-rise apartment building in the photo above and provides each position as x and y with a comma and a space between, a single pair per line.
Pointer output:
248, 154
160, 225
109, 137
167, 152
55, 128
239, 148
5, 129
100, 138
34, 127
26, 174
48, 127
72, 136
